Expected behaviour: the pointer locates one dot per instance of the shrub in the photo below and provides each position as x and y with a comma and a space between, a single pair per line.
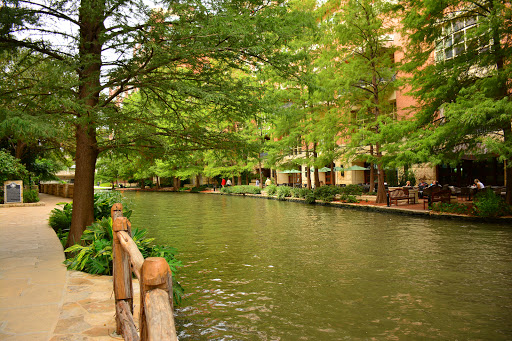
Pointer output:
352, 190
243, 189
271, 189
95, 254
326, 193
103, 202
283, 192
352, 199
303, 192
30, 195
60, 219
310, 198
450, 208
295, 192
488, 204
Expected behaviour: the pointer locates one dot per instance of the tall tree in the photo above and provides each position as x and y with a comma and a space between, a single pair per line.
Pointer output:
362, 56
459, 55
112, 47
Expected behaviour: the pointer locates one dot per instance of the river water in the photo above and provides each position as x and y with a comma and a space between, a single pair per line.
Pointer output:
258, 269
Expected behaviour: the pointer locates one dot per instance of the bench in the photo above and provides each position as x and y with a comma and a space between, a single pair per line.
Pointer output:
444, 195
400, 194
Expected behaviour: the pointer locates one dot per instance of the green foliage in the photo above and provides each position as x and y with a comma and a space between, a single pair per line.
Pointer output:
243, 189
351, 199
95, 254
60, 219
407, 176
103, 202
11, 168
352, 189
450, 208
392, 177
303, 192
310, 198
475, 105
295, 192
271, 190
488, 204
326, 193
44, 169
283, 192
30, 195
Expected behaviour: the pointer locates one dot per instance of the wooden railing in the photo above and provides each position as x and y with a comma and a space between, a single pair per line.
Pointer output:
155, 278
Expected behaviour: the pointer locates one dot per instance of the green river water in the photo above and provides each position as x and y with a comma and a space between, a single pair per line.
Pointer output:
258, 269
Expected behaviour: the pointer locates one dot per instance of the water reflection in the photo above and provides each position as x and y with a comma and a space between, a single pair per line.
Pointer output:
268, 270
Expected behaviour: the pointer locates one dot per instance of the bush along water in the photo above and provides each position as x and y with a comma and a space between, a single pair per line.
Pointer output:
94, 254
242, 189
488, 204
456, 208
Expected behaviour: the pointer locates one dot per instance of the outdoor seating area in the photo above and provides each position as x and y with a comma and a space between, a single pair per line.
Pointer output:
401, 194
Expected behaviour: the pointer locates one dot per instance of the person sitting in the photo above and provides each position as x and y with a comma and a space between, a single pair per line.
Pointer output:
435, 183
479, 185
421, 186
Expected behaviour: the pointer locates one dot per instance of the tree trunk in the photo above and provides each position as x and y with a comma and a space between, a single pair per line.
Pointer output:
317, 178
308, 170
508, 167
261, 175
90, 47
83, 195
20, 149
372, 172
333, 174
381, 191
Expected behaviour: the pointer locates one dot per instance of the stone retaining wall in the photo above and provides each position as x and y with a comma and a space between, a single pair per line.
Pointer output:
59, 190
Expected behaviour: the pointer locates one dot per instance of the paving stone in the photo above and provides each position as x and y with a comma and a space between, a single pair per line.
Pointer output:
35, 319
70, 337
94, 306
72, 325
79, 281
27, 337
12, 287
72, 310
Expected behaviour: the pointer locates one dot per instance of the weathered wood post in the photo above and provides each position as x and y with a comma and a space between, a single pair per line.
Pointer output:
122, 275
156, 313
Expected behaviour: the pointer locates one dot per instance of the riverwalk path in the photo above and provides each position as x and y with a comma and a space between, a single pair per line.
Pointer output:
39, 298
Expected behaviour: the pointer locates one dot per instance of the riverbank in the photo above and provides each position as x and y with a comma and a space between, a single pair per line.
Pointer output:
366, 203
402, 209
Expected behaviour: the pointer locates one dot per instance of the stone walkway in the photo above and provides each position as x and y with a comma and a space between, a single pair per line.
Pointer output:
39, 299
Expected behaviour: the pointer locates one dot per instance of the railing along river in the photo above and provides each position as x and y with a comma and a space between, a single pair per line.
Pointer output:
155, 278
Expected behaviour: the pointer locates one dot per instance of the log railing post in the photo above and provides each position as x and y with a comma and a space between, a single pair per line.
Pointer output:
122, 275
156, 314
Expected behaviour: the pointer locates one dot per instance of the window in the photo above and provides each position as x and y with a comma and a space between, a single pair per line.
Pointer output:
459, 36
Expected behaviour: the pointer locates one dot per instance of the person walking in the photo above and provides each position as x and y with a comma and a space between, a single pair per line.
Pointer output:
223, 182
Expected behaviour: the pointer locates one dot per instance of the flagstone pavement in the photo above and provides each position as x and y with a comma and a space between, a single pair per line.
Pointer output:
39, 299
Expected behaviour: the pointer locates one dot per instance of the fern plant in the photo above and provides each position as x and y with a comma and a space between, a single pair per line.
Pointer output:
94, 254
